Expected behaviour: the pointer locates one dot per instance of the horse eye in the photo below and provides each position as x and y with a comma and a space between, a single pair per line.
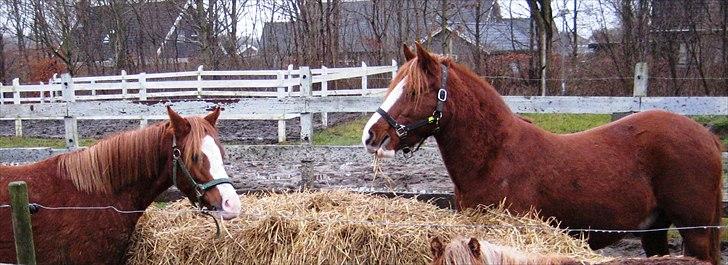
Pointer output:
194, 158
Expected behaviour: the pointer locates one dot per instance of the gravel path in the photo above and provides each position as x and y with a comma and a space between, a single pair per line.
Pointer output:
241, 131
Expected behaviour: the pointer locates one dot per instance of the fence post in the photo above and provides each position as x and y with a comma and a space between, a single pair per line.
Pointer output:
50, 89
16, 91
640, 79
142, 86
41, 95
16, 100
93, 87
364, 78
123, 84
307, 177
306, 117
200, 69
22, 229
394, 68
70, 123
18, 127
281, 94
290, 76
2, 94
324, 93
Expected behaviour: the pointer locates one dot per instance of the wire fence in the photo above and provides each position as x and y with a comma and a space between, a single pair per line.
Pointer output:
258, 215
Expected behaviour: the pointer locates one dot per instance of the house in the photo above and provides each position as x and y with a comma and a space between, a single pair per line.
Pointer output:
140, 32
373, 31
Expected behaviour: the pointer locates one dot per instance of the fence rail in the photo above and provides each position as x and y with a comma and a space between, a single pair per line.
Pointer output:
274, 95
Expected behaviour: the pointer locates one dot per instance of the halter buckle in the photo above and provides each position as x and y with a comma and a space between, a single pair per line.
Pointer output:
401, 131
176, 153
442, 95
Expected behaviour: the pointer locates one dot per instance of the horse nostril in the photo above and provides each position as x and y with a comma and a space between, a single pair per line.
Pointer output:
370, 138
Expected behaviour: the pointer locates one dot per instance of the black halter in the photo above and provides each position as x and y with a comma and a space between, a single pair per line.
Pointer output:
404, 130
200, 188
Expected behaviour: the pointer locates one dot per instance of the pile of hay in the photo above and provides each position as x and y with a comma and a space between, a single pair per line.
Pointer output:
333, 227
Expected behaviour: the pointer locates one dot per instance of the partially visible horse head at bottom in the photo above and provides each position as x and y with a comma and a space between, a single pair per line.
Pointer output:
472, 251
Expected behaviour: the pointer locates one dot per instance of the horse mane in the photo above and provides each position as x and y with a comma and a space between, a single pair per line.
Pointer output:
417, 79
126, 157
459, 252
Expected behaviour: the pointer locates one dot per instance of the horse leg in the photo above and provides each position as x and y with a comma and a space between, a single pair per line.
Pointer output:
697, 243
655, 243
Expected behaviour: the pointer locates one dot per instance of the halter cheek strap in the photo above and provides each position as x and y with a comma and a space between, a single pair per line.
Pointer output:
200, 188
404, 130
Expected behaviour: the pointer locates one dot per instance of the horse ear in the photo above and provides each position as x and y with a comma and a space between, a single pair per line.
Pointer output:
425, 60
408, 55
436, 247
212, 117
474, 247
180, 125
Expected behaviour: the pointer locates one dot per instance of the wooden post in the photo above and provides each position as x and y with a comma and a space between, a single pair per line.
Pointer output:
70, 123
142, 86
307, 177
123, 84
394, 68
69, 93
16, 91
200, 69
2, 94
52, 91
641, 79
364, 78
306, 117
18, 127
22, 229
281, 94
93, 87
143, 123
16, 100
41, 92
324, 93
290, 76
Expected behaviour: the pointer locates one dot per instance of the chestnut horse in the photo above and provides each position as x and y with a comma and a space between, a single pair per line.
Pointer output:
127, 171
480, 252
647, 170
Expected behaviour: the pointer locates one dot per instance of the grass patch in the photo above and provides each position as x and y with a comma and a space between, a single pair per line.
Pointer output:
348, 133
567, 123
15, 142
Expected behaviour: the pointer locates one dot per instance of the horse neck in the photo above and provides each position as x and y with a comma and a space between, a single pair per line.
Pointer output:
132, 178
475, 124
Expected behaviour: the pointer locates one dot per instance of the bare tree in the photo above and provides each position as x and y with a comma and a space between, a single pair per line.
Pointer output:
541, 14
480, 18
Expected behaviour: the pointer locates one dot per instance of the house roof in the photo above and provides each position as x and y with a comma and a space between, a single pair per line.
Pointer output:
147, 25
356, 34
500, 35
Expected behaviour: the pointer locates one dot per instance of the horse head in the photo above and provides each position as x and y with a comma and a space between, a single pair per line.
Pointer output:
414, 107
456, 252
197, 162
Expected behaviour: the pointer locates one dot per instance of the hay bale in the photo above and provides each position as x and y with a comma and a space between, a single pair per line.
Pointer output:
334, 227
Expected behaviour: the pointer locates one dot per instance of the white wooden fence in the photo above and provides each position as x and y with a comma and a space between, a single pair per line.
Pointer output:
275, 95
182, 87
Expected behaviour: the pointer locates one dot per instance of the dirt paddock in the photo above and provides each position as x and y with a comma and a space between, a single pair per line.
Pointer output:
265, 175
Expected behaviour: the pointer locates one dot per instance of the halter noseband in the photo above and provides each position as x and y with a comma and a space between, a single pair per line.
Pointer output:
200, 188
404, 130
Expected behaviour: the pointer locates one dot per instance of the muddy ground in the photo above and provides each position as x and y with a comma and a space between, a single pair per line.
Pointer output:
266, 175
